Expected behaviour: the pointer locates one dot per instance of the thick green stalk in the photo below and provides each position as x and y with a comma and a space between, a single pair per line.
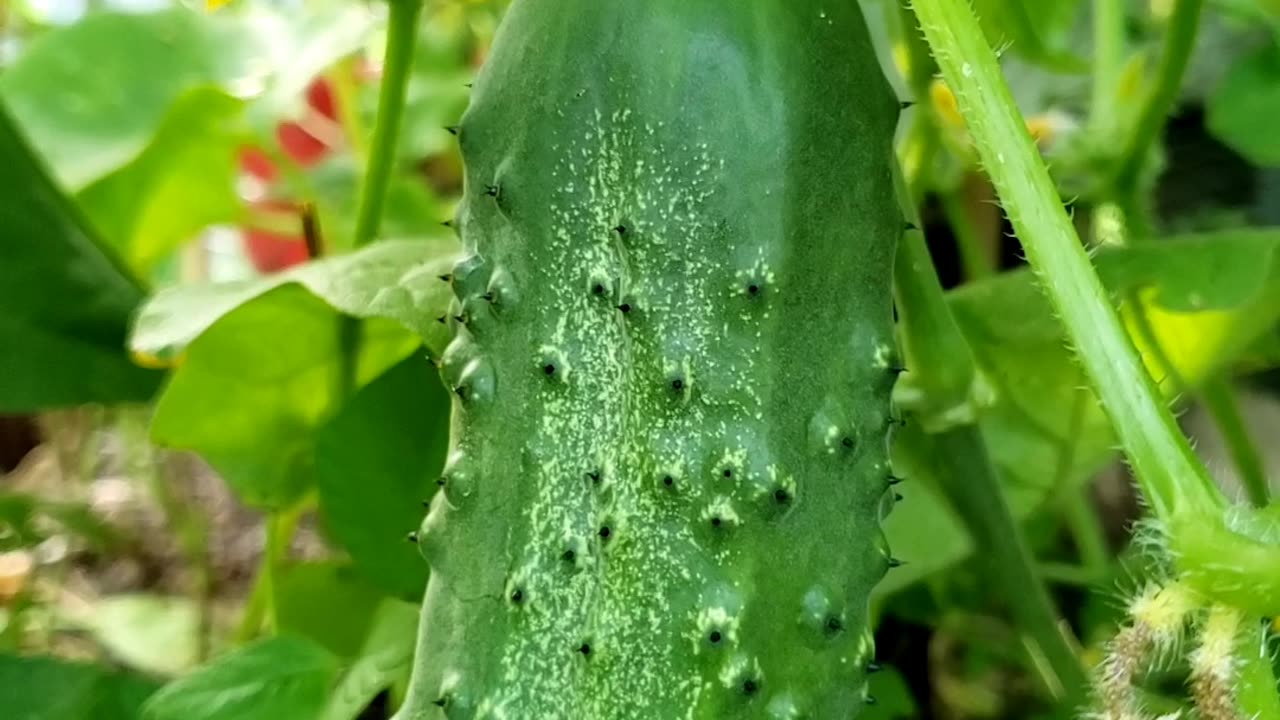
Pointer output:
1220, 398
1172, 479
940, 362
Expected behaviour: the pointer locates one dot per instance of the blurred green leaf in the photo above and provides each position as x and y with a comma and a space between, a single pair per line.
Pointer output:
1242, 110
151, 633
295, 44
68, 87
17, 522
1044, 431
46, 688
893, 698
1213, 271
376, 462
342, 621
90, 108
64, 299
281, 678
264, 363
1263, 354
396, 279
27, 520
182, 182
150, 135
1029, 27
253, 388
385, 659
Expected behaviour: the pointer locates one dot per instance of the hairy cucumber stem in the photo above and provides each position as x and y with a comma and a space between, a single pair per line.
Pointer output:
1229, 556
1172, 479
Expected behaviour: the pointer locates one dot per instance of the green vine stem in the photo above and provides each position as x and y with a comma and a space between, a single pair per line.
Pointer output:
1108, 63
1180, 40
1256, 690
1219, 397
261, 609
1225, 555
402, 37
1173, 480
942, 365
972, 488
975, 258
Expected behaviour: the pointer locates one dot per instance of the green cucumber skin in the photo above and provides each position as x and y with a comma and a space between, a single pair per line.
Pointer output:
674, 322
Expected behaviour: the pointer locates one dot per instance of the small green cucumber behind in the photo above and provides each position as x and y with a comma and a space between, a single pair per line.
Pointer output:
673, 359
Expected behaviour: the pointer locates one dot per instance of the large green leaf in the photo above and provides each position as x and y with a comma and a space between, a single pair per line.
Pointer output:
281, 678
1216, 271
396, 279
150, 633
64, 299
376, 462
263, 365
149, 136
252, 390
46, 688
1045, 432
1032, 28
1244, 105
91, 108
183, 181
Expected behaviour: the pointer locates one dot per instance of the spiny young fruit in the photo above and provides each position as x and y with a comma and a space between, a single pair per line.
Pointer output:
673, 362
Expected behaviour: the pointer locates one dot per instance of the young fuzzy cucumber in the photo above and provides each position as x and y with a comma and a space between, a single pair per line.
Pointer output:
673, 362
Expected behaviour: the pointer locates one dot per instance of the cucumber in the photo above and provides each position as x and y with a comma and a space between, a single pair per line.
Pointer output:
673, 360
